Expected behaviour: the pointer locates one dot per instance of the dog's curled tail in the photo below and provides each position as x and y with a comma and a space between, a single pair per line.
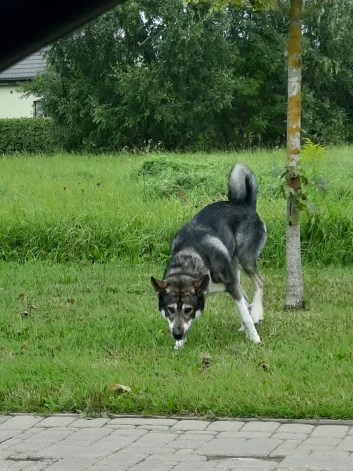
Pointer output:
242, 186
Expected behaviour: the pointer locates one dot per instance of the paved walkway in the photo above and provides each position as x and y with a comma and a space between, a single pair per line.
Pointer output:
69, 443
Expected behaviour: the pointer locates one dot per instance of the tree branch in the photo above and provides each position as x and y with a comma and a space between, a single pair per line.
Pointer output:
284, 9
309, 10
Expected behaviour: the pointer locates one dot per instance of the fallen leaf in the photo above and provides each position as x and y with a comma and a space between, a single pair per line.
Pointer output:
205, 361
234, 350
264, 365
120, 388
110, 351
24, 314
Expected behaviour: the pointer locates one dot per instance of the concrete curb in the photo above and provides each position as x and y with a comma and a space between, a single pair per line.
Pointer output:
348, 422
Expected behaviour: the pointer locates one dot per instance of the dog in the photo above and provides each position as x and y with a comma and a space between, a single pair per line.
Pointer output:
207, 256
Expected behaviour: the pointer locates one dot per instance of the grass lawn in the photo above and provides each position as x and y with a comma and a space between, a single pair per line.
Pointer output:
70, 328
93, 326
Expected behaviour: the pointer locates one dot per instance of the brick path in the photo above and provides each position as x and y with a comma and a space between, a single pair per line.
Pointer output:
69, 443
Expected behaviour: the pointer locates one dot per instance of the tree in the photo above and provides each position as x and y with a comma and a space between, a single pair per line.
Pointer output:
148, 71
296, 13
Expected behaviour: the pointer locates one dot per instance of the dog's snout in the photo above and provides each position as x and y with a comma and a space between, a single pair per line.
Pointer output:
178, 334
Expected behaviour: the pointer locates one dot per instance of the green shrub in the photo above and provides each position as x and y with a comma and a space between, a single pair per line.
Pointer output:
27, 135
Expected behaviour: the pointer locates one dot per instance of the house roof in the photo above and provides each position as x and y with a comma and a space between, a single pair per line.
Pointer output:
24, 70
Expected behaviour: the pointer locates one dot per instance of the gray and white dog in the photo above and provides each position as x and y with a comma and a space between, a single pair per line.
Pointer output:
207, 255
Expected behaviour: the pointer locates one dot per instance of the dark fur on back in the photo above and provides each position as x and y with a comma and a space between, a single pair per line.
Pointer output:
234, 223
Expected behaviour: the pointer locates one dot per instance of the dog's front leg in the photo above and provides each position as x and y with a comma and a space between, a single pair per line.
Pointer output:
246, 320
179, 344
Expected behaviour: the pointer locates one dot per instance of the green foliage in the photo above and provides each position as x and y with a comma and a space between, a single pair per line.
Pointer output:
154, 74
312, 153
328, 83
27, 135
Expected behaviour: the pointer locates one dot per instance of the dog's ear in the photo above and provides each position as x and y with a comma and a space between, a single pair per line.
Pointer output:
201, 285
158, 285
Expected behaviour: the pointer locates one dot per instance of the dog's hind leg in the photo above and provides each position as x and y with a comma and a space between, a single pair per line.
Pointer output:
247, 300
247, 323
256, 307
237, 267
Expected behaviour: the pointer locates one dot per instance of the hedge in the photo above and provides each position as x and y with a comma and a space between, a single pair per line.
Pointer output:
27, 135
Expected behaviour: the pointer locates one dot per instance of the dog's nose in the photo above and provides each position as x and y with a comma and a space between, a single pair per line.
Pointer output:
178, 334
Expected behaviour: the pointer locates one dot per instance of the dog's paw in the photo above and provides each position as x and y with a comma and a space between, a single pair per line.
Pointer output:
179, 344
255, 338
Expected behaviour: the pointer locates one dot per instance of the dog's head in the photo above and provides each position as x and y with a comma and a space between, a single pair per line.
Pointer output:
181, 300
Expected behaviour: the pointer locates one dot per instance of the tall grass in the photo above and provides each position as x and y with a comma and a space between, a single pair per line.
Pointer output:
83, 208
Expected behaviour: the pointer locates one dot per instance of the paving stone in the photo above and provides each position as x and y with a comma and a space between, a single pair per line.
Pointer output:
239, 448
186, 452
152, 467
190, 458
194, 436
21, 422
121, 458
195, 466
9, 443
321, 462
295, 428
70, 443
225, 426
330, 453
160, 438
4, 418
107, 467
290, 436
71, 464
137, 421
147, 448
128, 433
120, 427
26, 466
286, 448
319, 443
154, 428
328, 431
6, 435
80, 450
246, 435
5, 454
56, 422
183, 444
190, 425
88, 435
346, 444
114, 442
247, 464
270, 427
163, 458
51, 434
89, 423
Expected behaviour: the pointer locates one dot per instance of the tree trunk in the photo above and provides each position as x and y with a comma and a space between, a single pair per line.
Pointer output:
294, 298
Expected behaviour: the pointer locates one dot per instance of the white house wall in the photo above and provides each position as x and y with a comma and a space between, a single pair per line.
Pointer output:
12, 105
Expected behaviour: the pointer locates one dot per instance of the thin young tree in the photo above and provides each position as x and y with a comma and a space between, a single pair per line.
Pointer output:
296, 12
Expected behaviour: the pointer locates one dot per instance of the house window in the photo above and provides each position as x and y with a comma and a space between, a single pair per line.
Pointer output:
38, 109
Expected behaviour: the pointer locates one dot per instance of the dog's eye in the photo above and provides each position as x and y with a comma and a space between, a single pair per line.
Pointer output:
171, 310
188, 310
